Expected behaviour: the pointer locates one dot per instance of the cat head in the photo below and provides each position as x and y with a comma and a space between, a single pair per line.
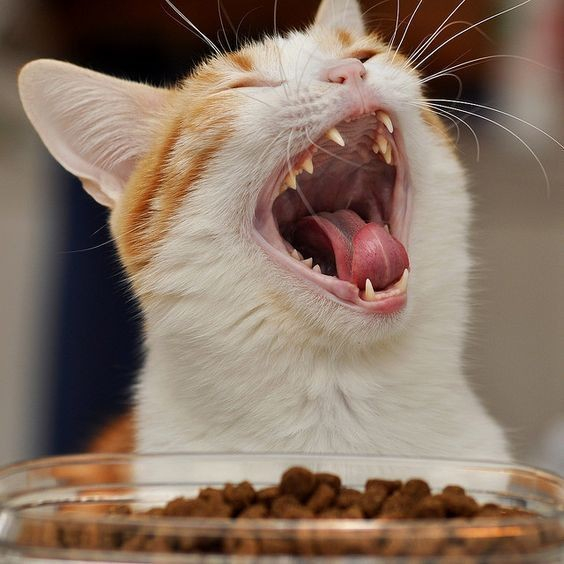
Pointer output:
301, 181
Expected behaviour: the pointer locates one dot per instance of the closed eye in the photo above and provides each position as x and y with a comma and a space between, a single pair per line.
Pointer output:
253, 81
364, 55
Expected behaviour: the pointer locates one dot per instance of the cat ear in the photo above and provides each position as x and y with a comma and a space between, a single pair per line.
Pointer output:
96, 126
340, 14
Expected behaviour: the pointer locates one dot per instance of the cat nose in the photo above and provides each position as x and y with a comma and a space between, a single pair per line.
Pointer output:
345, 71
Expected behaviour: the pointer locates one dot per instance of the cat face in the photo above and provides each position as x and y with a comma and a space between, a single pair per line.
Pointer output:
301, 177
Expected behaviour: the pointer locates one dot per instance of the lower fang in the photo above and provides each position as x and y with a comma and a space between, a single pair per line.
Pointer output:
402, 284
308, 262
297, 255
317, 269
369, 293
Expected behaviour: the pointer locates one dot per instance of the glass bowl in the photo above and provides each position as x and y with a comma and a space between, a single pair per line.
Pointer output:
47, 505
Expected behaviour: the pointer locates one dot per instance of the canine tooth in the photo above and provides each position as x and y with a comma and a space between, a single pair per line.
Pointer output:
369, 293
308, 262
334, 135
290, 181
317, 268
382, 143
388, 157
402, 284
386, 120
297, 255
308, 165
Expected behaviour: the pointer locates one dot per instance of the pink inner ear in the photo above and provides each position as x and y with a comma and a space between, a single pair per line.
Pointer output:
96, 126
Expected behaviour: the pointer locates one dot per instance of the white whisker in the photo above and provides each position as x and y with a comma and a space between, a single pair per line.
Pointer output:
406, 29
427, 57
193, 28
511, 132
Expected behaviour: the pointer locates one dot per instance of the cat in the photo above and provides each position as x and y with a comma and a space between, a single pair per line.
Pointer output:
294, 221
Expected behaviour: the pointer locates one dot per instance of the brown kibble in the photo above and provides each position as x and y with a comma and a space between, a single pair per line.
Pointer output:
372, 501
454, 490
322, 498
280, 505
395, 507
258, 511
415, 490
331, 480
348, 497
240, 496
459, 505
389, 485
247, 547
352, 512
429, 507
331, 513
298, 482
267, 495
212, 495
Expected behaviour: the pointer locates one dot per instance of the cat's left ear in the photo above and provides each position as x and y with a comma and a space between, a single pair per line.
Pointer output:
343, 14
96, 126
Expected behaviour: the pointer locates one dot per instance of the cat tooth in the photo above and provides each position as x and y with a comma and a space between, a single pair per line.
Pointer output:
376, 149
308, 165
388, 157
317, 269
387, 227
382, 143
386, 120
402, 284
369, 293
297, 255
308, 262
290, 181
334, 135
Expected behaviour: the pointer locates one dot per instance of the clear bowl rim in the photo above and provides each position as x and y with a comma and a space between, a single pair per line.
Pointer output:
215, 524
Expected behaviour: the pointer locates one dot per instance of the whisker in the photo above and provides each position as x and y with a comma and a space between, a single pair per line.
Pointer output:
489, 108
427, 57
327, 152
219, 13
511, 132
407, 29
391, 43
241, 23
193, 28
421, 48
479, 60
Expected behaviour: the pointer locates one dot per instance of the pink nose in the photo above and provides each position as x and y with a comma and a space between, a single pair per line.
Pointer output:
346, 70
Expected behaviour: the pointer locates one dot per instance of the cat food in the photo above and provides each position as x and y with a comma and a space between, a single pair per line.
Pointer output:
309, 500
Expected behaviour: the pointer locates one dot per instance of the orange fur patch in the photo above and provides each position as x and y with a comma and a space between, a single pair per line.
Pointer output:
432, 119
119, 436
344, 37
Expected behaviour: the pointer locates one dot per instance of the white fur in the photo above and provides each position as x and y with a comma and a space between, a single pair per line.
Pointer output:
243, 356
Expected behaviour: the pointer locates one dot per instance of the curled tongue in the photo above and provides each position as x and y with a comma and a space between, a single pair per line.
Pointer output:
361, 250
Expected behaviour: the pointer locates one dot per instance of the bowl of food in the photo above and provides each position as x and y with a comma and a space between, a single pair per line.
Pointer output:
268, 508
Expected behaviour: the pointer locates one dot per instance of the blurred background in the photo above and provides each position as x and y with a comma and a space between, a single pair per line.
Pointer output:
70, 340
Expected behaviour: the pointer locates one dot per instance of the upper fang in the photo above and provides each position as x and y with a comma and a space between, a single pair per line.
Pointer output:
386, 120
334, 135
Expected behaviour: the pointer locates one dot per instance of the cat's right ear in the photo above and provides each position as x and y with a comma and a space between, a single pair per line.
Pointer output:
96, 126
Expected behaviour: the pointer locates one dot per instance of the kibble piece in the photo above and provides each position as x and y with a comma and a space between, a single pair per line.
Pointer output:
239, 496
454, 490
257, 511
211, 494
330, 479
322, 498
416, 490
397, 506
298, 482
267, 495
331, 513
372, 500
280, 505
430, 507
352, 512
389, 485
348, 497
459, 505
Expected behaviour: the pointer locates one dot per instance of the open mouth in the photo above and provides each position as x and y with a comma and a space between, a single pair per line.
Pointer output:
338, 215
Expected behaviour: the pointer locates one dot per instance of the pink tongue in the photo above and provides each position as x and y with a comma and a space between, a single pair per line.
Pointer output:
362, 250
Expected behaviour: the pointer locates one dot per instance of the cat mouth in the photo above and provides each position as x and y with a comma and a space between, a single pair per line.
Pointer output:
337, 215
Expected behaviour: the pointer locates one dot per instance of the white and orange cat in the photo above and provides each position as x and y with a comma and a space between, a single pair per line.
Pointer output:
294, 223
